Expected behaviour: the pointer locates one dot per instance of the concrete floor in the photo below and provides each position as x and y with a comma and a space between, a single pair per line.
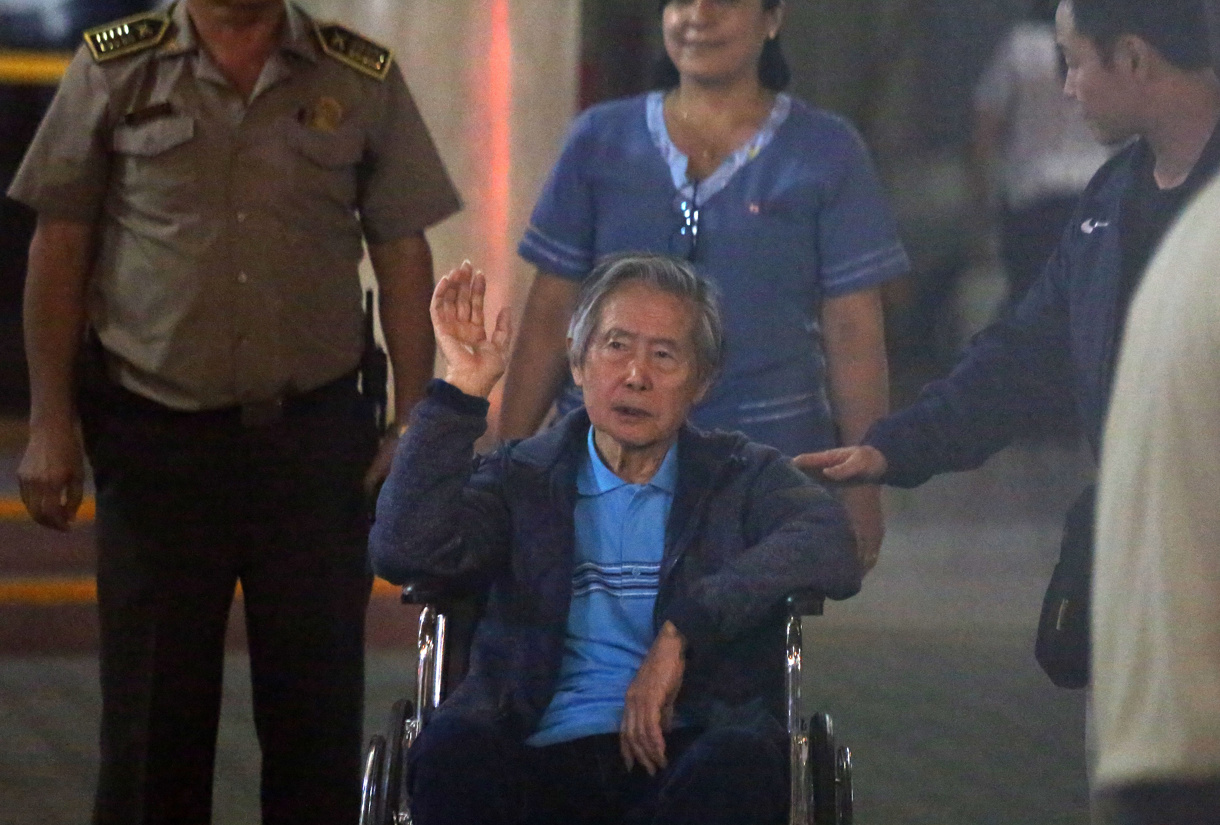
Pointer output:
928, 672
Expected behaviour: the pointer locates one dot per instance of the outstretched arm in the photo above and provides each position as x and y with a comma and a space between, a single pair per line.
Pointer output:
859, 464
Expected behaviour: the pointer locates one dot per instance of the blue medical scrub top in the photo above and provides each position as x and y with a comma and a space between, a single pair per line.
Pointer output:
794, 216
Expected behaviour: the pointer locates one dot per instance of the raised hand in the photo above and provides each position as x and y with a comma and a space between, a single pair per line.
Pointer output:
474, 361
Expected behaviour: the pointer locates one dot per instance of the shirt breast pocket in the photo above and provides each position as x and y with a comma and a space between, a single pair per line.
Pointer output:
155, 137
156, 167
327, 161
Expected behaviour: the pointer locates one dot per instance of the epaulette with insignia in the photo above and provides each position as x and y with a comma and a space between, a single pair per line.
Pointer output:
127, 36
354, 50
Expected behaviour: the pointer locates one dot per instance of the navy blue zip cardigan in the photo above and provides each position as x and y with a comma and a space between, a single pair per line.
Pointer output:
1054, 356
745, 529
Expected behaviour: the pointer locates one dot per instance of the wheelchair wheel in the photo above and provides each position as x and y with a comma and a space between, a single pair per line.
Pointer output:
400, 734
844, 795
372, 796
822, 763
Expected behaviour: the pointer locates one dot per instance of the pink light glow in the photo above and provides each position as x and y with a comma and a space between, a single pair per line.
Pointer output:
489, 138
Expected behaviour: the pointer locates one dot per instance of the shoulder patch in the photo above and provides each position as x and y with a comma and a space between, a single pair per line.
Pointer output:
127, 36
354, 50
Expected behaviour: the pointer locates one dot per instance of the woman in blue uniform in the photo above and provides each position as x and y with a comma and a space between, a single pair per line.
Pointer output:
774, 201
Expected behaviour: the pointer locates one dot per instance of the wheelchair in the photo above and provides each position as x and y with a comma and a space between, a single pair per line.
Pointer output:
820, 772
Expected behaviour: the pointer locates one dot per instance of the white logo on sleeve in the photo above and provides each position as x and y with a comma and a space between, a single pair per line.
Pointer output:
1090, 224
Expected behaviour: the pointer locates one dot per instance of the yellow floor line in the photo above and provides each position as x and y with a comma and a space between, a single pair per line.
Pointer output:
48, 591
42, 591
20, 67
11, 509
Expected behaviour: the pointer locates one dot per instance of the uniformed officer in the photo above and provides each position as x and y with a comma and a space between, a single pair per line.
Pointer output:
203, 182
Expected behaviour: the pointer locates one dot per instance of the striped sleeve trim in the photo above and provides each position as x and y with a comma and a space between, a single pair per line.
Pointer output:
867, 271
551, 255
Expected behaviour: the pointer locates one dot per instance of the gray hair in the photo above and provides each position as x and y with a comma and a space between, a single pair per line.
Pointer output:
665, 274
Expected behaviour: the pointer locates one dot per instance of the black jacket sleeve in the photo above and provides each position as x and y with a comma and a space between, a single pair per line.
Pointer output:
440, 512
1015, 376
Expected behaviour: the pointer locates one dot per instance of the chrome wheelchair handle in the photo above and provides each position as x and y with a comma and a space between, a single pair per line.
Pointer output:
798, 733
801, 603
430, 670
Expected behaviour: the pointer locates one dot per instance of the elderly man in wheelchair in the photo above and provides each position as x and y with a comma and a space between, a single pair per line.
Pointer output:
626, 666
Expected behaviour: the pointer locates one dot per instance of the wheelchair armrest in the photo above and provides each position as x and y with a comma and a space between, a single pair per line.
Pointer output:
426, 590
805, 603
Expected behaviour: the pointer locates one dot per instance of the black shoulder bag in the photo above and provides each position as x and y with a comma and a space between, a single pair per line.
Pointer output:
1062, 646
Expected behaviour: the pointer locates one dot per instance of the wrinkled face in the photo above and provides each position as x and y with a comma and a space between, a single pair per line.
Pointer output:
1103, 90
639, 376
717, 41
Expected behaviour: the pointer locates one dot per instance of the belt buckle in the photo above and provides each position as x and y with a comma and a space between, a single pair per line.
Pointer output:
262, 413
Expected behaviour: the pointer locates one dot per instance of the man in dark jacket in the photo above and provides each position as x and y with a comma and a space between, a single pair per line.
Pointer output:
1141, 73
628, 662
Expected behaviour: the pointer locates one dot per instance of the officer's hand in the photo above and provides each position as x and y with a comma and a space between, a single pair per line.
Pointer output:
51, 475
474, 362
860, 464
649, 709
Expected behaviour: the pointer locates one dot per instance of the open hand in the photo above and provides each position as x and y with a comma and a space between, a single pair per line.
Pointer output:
474, 362
859, 464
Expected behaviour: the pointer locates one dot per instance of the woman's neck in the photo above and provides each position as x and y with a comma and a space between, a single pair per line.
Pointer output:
724, 105
708, 122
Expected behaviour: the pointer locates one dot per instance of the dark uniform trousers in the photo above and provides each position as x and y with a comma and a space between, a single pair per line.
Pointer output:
188, 505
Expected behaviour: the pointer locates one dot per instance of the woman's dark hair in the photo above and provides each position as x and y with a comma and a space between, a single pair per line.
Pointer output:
773, 72
1175, 28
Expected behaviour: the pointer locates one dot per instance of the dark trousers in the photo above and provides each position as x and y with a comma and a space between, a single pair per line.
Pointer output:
464, 772
1160, 803
188, 505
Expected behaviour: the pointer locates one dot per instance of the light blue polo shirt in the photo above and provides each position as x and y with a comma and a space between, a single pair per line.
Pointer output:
620, 539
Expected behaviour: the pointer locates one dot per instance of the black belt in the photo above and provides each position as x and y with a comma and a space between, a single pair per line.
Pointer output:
263, 413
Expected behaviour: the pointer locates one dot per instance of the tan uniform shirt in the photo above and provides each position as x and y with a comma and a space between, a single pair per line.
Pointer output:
229, 231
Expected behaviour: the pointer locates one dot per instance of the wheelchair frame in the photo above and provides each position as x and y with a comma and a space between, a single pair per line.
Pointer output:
820, 773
